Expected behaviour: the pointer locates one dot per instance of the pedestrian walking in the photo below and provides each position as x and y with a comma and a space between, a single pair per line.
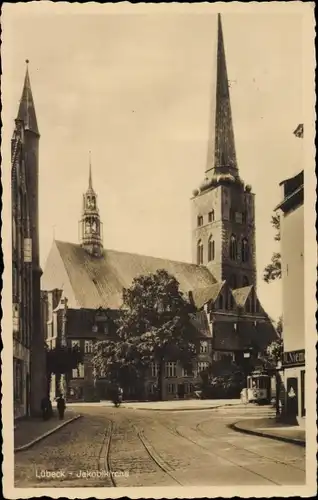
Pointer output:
61, 406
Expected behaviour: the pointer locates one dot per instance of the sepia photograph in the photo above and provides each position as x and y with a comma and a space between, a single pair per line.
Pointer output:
158, 297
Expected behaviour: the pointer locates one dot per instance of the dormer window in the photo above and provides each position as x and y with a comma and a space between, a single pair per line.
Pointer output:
200, 220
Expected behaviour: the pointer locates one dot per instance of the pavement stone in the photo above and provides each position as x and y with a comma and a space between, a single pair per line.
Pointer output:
270, 428
30, 430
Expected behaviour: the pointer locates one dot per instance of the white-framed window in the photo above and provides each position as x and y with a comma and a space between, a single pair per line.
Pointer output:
171, 388
88, 346
186, 372
171, 369
204, 347
78, 372
154, 369
202, 365
75, 343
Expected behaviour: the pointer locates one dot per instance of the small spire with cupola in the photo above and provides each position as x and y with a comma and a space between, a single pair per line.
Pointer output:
90, 225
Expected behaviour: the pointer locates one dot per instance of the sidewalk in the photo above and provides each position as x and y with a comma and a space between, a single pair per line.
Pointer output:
183, 405
31, 430
171, 405
270, 428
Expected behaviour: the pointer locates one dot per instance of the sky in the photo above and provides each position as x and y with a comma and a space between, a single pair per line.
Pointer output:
134, 89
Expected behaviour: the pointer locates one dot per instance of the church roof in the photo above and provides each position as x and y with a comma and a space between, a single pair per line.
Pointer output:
26, 111
90, 282
204, 295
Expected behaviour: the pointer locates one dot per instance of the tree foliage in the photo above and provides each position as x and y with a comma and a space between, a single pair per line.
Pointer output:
154, 325
273, 270
274, 351
223, 378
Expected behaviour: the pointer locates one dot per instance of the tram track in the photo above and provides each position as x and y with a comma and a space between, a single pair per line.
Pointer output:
104, 455
155, 456
177, 432
252, 452
152, 453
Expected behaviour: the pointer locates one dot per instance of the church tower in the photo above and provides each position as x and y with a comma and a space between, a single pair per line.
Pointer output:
90, 226
223, 217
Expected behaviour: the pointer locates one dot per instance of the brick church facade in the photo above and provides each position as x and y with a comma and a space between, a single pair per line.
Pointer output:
83, 283
28, 342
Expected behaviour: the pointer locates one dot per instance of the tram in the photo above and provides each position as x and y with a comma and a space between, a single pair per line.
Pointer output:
258, 388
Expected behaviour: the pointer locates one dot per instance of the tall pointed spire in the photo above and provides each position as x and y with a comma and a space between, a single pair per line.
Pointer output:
26, 111
90, 226
221, 158
90, 183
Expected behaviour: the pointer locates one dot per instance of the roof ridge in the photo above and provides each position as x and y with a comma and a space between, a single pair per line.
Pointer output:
143, 255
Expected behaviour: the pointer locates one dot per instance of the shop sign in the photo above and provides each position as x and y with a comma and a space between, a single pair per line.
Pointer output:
294, 358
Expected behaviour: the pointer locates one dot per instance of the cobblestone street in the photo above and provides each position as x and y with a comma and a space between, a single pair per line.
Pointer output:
130, 447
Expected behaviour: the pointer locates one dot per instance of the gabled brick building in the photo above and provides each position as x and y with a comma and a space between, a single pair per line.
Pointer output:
221, 281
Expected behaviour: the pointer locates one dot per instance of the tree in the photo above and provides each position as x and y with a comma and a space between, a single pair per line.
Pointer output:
221, 379
154, 326
273, 271
61, 360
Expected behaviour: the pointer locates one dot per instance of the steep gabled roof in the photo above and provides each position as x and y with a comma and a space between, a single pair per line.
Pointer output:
202, 296
90, 282
241, 294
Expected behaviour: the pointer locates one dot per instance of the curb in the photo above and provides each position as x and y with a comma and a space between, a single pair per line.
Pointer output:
46, 434
180, 409
298, 442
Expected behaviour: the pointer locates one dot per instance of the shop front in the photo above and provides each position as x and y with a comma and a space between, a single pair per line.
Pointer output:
294, 377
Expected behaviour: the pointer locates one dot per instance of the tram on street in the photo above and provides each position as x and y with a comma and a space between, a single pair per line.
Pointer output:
258, 388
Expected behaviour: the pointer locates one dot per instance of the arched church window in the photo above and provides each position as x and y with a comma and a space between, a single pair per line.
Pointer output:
87, 227
244, 250
211, 249
200, 252
233, 247
94, 227
211, 216
245, 281
200, 220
